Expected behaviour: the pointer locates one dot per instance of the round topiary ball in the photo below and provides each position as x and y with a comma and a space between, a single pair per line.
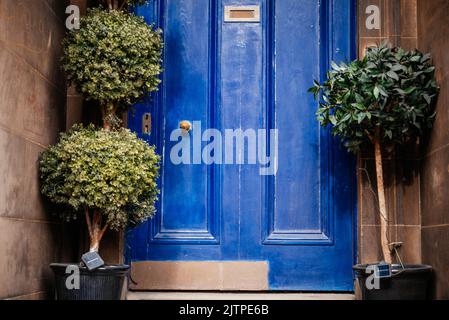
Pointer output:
113, 172
115, 57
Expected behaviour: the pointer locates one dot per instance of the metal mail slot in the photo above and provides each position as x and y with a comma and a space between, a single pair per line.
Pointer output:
242, 14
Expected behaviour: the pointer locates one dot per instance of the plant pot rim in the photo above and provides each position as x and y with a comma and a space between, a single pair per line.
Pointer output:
397, 268
119, 268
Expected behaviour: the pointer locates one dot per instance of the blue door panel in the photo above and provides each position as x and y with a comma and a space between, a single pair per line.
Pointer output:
252, 76
297, 50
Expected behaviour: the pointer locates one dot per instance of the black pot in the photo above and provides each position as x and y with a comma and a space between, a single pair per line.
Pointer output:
105, 283
413, 282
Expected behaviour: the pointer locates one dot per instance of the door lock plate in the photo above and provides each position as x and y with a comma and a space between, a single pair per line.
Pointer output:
146, 123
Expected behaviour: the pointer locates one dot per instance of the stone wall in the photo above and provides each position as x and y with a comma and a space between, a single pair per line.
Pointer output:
32, 113
417, 178
433, 36
398, 27
35, 106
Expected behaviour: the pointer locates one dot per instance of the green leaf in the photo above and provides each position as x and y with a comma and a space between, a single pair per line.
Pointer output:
393, 75
361, 117
358, 97
410, 90
425, 58
345, 118
335, 66
359, 106
383, 91
400, 91
376, 92
368, 115
398, 67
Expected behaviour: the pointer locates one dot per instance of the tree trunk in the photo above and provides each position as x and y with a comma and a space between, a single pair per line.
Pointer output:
96, 231
108, 115
382, 203
109, 4
107, 124
116, 5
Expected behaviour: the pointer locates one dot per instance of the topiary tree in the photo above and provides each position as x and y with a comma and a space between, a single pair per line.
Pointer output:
385, 98
123, 4
104, 175
114, 59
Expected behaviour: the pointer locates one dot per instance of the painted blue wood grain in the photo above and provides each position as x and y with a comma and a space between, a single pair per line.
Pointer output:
252, 76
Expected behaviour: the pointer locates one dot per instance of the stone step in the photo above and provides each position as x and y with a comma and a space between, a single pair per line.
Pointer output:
236, 296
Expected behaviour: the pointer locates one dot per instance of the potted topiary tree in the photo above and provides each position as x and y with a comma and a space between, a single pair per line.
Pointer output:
114, 59
110, 179
384, 99
108, 175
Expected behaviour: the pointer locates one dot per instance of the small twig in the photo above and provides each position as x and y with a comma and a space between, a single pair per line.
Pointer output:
122, 5
370, 187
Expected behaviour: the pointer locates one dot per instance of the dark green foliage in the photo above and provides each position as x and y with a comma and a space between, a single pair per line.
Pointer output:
137, 2
124, 3
386, 96
115, 57
113, 172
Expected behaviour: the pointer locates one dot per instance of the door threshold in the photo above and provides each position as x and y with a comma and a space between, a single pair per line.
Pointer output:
142, 295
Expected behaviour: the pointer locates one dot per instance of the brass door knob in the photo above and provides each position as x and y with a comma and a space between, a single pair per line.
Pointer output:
185, 125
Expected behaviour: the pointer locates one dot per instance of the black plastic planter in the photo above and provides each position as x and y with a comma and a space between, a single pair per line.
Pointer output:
105, 283
411, 283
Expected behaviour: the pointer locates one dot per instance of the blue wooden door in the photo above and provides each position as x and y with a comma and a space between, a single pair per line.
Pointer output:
251, 75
